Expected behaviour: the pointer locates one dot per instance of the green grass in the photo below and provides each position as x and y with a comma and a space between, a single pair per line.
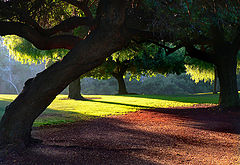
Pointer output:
63, 110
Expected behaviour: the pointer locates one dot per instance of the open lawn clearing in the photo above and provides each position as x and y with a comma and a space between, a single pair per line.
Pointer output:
63, 110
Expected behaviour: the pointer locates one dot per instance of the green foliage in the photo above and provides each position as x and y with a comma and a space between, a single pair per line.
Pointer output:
198, 74
154, 59
203, 71
199, 70
121, 60
190, 20
23, 51
135, 61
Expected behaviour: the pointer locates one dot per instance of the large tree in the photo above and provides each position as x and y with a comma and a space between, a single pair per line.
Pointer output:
23, 18
215, 38
112, 25
210, 31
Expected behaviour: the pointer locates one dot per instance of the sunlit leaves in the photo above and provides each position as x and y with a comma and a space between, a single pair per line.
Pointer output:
23, 51
197, 74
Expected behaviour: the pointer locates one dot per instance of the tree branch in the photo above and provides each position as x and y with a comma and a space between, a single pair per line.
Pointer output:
69, 24
40, 41
201, 55
168, 50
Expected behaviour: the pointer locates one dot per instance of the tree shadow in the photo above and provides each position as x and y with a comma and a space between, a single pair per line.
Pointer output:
115, 103
50, 116
206, 118
196, 98
109, 141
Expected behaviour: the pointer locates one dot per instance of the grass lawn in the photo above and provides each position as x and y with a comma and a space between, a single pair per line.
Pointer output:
63, 110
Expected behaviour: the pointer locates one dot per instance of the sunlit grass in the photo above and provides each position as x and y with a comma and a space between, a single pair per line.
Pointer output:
63, 110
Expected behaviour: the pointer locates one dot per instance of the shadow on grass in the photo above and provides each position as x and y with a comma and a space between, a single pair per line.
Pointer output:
115, 103
198, 98
206, 118
56, 117
50, 116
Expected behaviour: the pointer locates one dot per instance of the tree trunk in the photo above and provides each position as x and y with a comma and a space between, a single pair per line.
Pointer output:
39, 92
215, 81
122, 90
74, 90
226, 70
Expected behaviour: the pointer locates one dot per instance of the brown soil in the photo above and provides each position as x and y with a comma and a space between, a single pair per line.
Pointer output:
161, 136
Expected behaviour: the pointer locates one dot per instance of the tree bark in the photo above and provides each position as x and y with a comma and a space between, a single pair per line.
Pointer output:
122, 90
226, 69
225, 60
74, 90
215, 81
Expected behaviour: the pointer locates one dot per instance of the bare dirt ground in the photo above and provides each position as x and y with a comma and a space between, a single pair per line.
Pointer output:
160, 136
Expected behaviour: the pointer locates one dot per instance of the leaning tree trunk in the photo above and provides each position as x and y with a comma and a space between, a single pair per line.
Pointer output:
122, 90
39, 92
226, 69
74, 90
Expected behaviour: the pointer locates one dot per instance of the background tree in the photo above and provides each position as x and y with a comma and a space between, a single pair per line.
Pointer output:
117, 66
203, 71
137, 61
209, 31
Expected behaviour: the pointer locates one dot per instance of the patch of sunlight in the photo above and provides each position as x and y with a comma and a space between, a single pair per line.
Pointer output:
63, 110
7, 97
102, 105
206, 93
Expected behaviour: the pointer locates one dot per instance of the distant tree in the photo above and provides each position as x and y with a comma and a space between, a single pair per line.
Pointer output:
117, 66
147, 60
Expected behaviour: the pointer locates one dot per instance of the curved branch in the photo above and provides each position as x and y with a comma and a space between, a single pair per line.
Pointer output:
69, 24
40, 41
64, 26
201, 55
167, 49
